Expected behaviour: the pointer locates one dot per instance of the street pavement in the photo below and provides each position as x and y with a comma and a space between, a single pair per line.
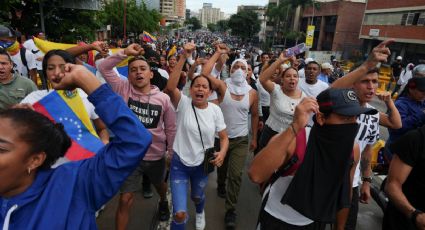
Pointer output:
369, 217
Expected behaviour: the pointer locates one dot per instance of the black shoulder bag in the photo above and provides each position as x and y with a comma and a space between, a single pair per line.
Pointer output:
208, 153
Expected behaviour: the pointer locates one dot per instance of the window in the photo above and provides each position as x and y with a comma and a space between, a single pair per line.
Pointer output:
409, 20
421, 19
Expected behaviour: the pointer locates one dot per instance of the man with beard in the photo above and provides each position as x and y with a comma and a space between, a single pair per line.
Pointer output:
364, 81
310, 85
311, 168
236, 99
154, 109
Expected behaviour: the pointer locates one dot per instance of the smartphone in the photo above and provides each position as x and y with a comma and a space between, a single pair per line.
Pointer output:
293, 51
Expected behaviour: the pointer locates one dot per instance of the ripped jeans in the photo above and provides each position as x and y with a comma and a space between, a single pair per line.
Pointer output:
180, 176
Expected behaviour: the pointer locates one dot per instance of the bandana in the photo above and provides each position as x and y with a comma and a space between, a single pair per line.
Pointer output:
237, 83
13, 49
321, 185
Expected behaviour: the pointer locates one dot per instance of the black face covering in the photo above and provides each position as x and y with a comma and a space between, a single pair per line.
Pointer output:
321, 184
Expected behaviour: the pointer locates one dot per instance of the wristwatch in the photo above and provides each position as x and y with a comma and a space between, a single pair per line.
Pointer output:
414, 215
367, 179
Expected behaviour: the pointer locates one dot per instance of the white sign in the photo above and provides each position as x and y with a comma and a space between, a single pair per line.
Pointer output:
108, 27
374, 32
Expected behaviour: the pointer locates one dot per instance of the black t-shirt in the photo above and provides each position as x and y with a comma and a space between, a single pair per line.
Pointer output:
397, 67
410, 149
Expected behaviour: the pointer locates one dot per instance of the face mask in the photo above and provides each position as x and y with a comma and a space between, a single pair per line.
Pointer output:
238, 77
5, 44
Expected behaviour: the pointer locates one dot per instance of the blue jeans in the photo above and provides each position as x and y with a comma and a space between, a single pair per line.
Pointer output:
180, 176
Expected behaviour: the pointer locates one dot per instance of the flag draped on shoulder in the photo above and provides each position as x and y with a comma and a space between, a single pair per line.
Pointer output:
66, 107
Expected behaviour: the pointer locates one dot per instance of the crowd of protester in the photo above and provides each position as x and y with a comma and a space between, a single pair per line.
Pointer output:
197, 102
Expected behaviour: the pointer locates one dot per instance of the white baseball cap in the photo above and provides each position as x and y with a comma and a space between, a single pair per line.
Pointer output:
326, 65
399, 58
308, 60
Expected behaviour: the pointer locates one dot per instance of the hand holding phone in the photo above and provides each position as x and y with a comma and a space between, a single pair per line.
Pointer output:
293, 51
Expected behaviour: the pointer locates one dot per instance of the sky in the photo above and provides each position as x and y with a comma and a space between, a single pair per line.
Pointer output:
227, 6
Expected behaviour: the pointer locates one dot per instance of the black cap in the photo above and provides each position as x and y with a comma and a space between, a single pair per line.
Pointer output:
7, 32
341, 101
417, 83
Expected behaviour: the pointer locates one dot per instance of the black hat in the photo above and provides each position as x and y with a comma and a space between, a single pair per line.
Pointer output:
341, 101
7, 32
417, 83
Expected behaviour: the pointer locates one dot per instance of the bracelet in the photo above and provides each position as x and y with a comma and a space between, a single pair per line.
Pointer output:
293, 129
414, 215
367, 179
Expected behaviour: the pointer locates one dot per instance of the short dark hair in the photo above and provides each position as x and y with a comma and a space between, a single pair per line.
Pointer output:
199, 76
67, 57
263, 54
4, 52
314, 63
41, 134
137, 58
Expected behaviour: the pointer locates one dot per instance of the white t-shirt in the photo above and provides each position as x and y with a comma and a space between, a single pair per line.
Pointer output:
282, 109
312, 90
39, 94
30, 46
163, 73
301, 73
281, 211
263, 95
19, 66
187, 143
368, 134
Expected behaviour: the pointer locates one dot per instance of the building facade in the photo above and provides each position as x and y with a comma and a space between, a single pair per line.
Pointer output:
337, 25
403, 21
150, 4
180, 9
208, 14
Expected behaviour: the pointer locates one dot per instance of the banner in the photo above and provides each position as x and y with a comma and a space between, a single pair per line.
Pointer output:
309, 36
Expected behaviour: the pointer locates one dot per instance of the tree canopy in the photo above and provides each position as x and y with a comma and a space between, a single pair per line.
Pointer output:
244, 24
196, 24
69, 25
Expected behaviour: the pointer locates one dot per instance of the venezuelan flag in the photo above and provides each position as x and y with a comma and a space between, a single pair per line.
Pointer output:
147, 37
67, 108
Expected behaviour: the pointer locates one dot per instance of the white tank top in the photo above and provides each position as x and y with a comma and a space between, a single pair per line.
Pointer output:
235, 115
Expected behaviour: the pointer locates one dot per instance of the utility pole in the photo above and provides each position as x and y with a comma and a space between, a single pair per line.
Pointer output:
40, 4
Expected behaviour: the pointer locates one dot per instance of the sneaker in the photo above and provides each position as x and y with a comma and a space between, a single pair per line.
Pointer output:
200, 221
230, 219
163, 211
147, 192
221, 191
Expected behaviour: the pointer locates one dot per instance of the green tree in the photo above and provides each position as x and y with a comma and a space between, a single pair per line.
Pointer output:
245, 24
61, 24
212, 27
223, 25
282, 17
194, 23
138, 19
